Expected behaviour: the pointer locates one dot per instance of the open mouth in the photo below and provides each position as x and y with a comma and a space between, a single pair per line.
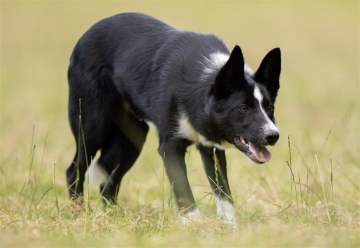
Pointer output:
257, 153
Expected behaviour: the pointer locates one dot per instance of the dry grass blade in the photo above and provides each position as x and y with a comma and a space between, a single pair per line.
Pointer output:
323, 189
327, 137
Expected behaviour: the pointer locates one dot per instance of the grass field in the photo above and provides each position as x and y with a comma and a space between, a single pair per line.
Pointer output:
308, 195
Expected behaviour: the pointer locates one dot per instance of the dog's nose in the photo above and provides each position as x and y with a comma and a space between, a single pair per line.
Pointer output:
272, 137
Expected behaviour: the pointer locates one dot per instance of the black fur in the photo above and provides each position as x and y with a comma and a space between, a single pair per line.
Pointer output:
130, 68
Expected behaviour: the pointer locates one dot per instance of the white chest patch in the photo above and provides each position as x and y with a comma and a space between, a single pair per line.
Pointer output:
187, 131
269, 126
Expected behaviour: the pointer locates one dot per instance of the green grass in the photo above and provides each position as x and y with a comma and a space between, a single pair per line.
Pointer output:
308, 195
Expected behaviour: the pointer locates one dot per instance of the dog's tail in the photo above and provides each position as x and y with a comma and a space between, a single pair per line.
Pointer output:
96, 173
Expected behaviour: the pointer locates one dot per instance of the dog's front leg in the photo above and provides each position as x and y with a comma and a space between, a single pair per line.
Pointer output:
173, 154
215, 168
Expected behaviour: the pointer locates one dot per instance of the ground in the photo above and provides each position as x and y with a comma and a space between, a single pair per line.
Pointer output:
306, 196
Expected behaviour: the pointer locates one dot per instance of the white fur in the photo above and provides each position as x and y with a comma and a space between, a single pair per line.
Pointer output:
151, 124
248, 69
225, 211
269, 126
187, 131
194, 215
219, 146
216, 61
96, 173
226, 145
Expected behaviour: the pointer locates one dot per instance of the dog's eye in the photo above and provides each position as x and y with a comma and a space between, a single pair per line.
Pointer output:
243, 108
271, 110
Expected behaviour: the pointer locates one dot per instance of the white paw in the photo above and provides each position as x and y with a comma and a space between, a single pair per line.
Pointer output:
226, 213
189, 217
229, 222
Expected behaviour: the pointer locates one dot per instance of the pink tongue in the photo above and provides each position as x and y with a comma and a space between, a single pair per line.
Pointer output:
260, 152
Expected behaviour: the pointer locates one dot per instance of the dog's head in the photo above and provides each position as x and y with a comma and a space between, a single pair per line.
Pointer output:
242, 104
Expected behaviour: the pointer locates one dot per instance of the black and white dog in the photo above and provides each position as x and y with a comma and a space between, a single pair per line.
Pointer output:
132, 71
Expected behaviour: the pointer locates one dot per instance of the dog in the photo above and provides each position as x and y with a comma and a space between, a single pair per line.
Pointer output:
131, 71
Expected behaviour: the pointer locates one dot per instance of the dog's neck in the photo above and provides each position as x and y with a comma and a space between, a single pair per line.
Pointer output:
196, 107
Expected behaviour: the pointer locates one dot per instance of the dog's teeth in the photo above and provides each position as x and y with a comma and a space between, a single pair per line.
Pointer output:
244, 141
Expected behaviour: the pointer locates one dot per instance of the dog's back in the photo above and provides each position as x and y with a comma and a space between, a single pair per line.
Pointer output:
139, 55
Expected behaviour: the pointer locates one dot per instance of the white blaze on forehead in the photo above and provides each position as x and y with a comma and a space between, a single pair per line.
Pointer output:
269, 126
257, 94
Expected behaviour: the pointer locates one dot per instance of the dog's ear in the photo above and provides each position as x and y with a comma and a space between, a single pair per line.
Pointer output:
268, 73
230, 76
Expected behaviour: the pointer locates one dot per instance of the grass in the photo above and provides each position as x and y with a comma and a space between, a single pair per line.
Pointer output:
308, 195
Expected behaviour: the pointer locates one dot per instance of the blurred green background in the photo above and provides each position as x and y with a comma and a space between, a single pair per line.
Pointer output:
319, 92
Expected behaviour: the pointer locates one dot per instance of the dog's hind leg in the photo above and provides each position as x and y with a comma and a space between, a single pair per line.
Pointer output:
89, 135
90, 123
75, 174
119, 152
